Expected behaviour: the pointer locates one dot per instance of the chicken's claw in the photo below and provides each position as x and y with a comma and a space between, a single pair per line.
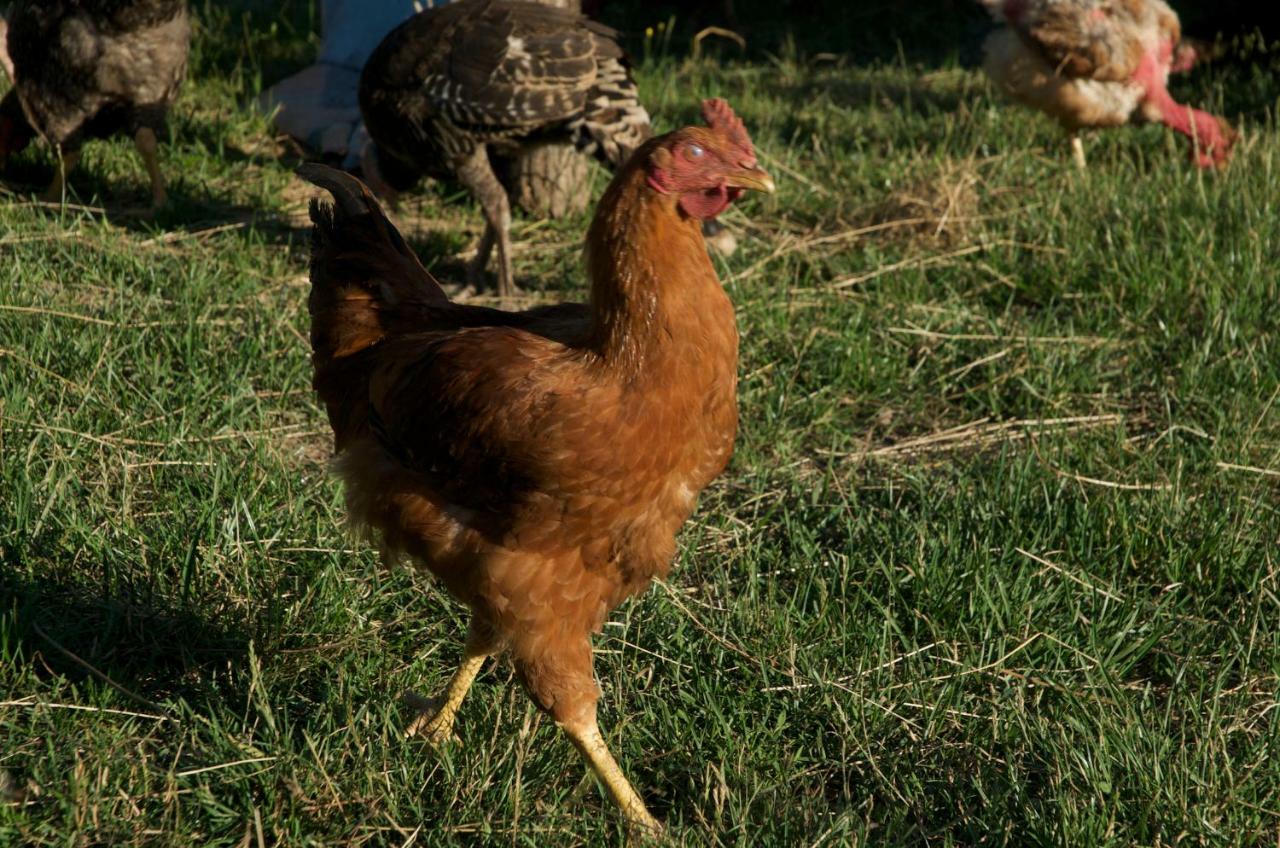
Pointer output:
432, 722
436, 715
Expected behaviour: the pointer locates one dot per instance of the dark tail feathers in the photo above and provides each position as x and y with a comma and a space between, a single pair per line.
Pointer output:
366, 285
364, 278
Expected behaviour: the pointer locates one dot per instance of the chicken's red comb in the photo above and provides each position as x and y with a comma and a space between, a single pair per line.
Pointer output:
719, 116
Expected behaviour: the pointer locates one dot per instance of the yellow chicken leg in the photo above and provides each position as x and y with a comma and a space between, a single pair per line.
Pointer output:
1077, 151
586, 737
437, 725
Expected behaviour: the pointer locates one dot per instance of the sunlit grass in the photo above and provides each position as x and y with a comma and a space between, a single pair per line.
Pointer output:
995, 560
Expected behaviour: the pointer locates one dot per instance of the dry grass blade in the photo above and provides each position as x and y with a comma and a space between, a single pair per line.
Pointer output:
979, 434
1249, 469
902, 265
1060, 570
1112, 484
32, 704
123, 690
1087, 341
718, 32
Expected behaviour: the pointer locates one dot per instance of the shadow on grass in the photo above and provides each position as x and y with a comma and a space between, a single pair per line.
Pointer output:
150, 647
190, 211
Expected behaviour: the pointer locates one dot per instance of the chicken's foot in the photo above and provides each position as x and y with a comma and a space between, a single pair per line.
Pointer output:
1077, 151
66, 163
148, 147
476, 174
586, 737
436, 725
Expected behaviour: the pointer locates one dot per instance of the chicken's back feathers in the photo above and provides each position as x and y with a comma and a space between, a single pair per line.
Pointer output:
370, 293
364, 277
1076, 103
1101, 40
1100, 63
89, 68
449, 390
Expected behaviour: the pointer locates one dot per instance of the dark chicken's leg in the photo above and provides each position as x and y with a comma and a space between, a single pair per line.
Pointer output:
66, 163
6, 64
436, 723
476, 174
145, 141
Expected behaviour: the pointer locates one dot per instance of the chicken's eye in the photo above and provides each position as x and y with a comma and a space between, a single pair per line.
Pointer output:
695, 151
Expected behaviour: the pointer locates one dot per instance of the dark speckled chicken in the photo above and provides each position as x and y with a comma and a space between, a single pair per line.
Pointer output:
90, 69
453, 84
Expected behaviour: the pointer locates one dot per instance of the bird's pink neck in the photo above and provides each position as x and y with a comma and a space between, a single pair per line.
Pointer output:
1202, 128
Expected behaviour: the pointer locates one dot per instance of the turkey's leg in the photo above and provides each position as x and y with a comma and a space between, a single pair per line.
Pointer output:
476, 174
475, 270
1077, 151
66, 163
145, 141
585, 735
436, 725
372, 173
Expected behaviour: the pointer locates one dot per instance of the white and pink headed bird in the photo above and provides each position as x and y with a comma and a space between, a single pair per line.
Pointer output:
1100, 63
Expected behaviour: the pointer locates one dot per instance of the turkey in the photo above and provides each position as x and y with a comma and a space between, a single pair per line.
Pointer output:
456, 85
89, 69
1100, 63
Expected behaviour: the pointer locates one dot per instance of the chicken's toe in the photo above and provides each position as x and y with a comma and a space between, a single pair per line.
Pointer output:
433, 722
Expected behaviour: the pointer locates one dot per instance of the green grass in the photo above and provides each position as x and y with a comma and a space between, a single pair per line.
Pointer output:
995, 561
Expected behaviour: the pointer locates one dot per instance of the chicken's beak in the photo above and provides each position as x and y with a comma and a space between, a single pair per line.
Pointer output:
753, 179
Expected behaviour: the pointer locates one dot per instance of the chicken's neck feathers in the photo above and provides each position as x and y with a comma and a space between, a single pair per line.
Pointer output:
653, 287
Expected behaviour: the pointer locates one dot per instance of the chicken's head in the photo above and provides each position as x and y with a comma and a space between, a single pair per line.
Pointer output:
707, 168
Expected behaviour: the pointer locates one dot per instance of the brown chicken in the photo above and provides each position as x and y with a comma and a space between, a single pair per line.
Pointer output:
90, 69
1100, 63
538, 463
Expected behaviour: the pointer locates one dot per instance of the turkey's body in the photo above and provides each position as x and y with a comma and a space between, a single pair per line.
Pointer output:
453, 85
